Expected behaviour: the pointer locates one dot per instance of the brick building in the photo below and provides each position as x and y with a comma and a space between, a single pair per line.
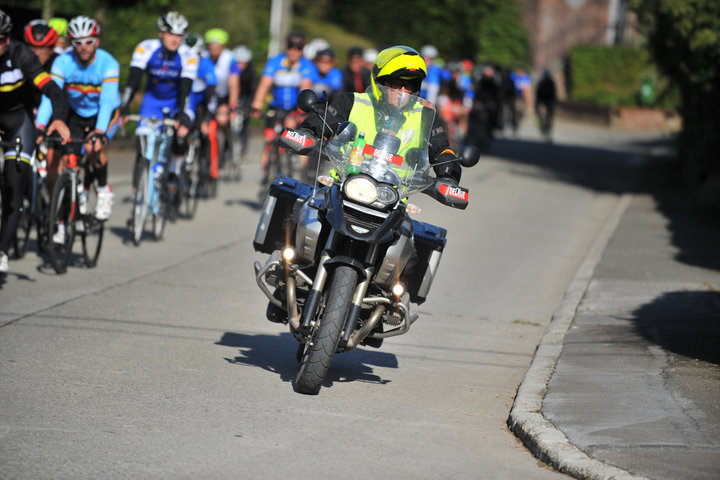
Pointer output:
556, 25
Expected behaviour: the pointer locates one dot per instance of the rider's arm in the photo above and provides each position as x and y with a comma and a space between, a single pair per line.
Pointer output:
262, 92
45, 110
338, 112
190, 64
109, 95
132, 86
234, 85
32, 69
439, 150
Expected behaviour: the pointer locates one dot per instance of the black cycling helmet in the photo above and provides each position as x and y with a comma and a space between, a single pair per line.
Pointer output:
39, 34
5, 23
296, 40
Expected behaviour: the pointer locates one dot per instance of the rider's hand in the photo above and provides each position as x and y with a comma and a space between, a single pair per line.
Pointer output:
255, 112
40, 132
61, 128
97, 143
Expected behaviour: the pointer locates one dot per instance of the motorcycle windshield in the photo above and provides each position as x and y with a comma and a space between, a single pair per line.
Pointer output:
396, 130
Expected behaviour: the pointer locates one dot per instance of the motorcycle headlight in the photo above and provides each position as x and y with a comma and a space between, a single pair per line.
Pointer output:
361, 189
365, 190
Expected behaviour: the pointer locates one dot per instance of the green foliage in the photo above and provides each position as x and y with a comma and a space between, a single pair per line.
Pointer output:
503, 39
608, 76
683, 37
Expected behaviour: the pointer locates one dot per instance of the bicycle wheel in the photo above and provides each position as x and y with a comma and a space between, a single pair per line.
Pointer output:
92, 232
140, 202
189, 191
61, 218
22, 234
160, 217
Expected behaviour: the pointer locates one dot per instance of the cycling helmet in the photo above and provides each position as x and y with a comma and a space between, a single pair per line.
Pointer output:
194, 41
295, 40
242, 54
370, 55
5, 23
398, 63
82, 26
172, 22
60, 25
429, 51
314, 46
217, 35
39, 34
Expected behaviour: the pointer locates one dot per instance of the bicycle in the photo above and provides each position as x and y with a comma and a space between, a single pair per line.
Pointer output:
151, 195
72, 210
35, 207
233, 165
280, 161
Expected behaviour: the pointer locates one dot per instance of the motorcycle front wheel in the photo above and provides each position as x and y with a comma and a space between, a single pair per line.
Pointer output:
323, 344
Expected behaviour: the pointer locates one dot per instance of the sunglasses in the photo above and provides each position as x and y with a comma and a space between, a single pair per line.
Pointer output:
397, 84
4, 39
88, 41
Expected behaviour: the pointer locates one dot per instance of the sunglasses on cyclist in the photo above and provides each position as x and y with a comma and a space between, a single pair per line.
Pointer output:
91, 41
4, 39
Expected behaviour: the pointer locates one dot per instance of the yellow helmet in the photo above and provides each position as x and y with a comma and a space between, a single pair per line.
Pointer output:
401, 66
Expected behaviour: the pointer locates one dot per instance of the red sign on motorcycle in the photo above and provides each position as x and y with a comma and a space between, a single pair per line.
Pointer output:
297, 138
383, 155
456, 192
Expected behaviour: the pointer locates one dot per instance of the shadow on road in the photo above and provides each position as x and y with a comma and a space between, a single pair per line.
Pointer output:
686, 323
276, 353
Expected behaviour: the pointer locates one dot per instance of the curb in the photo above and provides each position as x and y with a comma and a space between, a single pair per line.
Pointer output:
526, 420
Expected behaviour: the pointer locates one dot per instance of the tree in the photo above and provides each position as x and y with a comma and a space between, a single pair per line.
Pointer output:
683, 36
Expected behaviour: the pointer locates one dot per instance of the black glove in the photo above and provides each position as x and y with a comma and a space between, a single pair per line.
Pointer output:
447, 191
124, 110
300, 141
184, 119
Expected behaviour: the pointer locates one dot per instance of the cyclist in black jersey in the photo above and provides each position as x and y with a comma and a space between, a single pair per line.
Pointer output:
20, 69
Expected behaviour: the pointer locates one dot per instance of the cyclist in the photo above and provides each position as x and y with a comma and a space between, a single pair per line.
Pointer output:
60, 24
227, 92
41, 39
89, 76
286, 74
436, 74
171, 68
356, 76
19, 70
248, 85
329, 78
202, 97
545, 100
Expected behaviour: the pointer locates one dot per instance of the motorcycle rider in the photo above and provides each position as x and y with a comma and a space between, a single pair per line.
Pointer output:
401, 69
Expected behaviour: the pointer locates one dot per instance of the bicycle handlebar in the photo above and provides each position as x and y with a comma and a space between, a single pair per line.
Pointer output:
153, 121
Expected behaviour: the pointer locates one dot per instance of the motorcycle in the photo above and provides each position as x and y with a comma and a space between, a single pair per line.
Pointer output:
346, 260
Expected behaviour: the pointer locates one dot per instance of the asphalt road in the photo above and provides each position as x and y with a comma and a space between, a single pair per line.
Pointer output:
159, 363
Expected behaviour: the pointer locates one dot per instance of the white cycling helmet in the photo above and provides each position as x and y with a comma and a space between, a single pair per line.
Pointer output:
314, 46
242, 54
173, 22
429, 51
82, 26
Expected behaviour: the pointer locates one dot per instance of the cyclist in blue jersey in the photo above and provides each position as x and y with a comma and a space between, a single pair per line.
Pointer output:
329, 78
89, 75
171, 68
436, 75
285, 74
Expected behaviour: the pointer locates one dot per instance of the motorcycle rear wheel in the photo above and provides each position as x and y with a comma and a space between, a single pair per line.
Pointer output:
319, 353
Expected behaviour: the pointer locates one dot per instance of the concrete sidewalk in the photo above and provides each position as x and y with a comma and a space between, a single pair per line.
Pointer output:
626, 382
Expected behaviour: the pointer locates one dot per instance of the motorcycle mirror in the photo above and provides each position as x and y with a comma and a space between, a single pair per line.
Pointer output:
307, 101
346, 131
469, 156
